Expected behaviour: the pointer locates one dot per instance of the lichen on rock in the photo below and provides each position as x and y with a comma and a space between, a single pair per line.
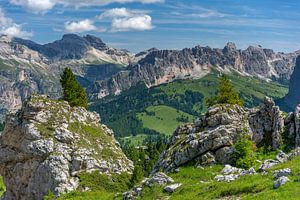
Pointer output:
47, 143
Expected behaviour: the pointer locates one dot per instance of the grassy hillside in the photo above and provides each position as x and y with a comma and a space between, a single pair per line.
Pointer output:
159, 110
163, 119
200, 184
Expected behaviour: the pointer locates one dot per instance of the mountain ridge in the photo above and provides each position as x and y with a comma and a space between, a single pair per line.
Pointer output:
28, 67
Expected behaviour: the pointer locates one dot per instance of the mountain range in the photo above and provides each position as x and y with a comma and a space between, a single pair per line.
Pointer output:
27, 67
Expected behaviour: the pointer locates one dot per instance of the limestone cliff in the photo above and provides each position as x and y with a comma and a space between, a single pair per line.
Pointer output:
47, 143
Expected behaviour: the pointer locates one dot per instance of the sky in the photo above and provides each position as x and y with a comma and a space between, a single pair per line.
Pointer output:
137, 25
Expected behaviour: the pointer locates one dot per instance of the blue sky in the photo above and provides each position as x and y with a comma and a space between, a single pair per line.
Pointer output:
137, 25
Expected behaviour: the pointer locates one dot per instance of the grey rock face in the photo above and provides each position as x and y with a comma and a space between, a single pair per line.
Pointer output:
208, 142
281, 181
47, 143
293, 97
267, 124
210, 139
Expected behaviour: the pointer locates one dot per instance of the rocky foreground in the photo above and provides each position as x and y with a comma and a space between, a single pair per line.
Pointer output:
47, 143
209, 141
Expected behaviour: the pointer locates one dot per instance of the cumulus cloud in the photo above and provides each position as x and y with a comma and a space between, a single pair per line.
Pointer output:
126, 20
139, 23
10, 28
39, 6
36, 6
80, 26
120, 12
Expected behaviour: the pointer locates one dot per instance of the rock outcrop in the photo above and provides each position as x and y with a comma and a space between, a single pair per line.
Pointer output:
267, 125
210, 139
211, 136
47, 143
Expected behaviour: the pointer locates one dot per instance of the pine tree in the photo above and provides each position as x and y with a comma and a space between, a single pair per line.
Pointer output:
226, 94
72, 91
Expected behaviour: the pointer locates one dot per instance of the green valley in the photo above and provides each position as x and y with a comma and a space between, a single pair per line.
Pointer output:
159, 110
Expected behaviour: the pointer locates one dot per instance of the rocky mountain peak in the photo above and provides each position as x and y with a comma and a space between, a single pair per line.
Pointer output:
47, 144
95, 42
230, 46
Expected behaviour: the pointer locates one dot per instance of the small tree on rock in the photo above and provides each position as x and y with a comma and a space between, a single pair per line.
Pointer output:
226, 94
72, 91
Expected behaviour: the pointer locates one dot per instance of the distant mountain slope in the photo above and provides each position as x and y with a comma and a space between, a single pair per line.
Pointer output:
163, 66
27, 67
72, 46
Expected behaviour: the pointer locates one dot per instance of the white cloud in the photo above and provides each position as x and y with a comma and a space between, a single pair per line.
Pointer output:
10, 28
127, 20
80, 26
40, 6
37, 6
120, 12
139, 23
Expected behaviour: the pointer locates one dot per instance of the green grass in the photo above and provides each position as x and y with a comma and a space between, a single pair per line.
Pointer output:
2, 186
251, 89
200, 184
102, 187
163, 119
94, 195
135, 140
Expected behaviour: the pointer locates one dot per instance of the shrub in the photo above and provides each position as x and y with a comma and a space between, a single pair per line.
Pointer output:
244, 155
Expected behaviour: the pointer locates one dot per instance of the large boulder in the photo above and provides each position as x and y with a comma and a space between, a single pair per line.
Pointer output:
47, 144
211, 136
267, 124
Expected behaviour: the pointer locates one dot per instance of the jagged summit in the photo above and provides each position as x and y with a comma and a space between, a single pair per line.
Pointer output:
72, 46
